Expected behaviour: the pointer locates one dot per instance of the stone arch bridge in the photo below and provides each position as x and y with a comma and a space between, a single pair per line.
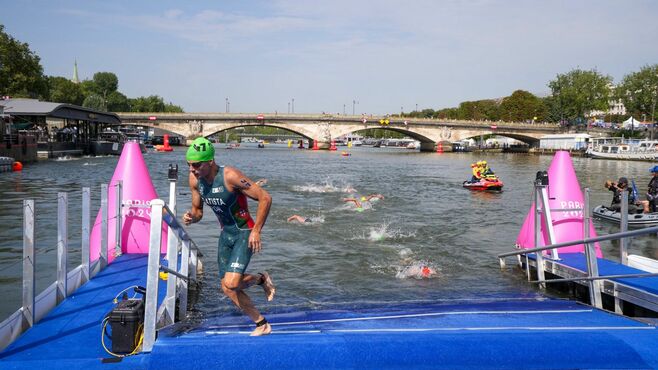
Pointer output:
324, 128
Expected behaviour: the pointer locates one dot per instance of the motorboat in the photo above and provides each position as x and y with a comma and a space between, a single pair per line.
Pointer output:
487, 183
634, 219
619, 148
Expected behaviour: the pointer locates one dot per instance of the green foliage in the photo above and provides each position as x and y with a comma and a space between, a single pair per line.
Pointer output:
151, 103
21, 74
579, 92
447, 113
95, 102
522, 106
117, 102
639, 92
552, 109
104, 83
379, 133
64, 91
478, 110
171, 108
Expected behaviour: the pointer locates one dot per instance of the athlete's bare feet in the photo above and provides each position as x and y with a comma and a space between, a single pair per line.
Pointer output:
268, 286
261, 330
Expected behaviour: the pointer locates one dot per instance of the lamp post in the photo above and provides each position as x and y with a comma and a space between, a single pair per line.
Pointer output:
226, 105
354, 103
293, 105
343, 109
416, 107
288, 107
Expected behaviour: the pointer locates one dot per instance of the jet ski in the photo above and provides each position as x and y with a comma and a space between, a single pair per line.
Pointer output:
490, 183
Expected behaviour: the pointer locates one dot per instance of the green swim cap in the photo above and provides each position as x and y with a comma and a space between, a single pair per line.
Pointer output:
201, 150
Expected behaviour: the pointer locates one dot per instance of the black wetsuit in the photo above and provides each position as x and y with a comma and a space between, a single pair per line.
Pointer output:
616, 200
653, 194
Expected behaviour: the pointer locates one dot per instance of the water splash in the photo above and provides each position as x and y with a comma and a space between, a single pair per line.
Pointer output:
384, 232
418, 270
327, 187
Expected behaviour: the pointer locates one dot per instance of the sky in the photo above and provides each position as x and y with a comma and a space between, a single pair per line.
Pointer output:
372, 57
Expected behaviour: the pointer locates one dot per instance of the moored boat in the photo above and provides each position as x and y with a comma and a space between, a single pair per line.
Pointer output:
619, 148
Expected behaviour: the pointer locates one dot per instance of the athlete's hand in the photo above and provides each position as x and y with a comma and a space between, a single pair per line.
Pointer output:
187, 218
254, 241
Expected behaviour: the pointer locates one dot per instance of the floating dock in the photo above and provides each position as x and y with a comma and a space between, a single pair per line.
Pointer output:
509, 332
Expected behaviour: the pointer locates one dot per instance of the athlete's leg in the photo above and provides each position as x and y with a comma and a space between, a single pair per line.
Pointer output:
233, 285
235, 281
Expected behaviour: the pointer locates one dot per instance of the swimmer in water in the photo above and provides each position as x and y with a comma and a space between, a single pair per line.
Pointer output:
359, 203
300, 219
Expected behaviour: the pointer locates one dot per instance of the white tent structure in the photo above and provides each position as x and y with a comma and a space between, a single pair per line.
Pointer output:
630, 123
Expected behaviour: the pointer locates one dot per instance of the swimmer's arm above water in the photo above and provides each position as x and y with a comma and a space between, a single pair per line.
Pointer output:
196, 213
353, 200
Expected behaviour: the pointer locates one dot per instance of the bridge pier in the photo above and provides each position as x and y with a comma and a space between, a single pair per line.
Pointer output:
427, 147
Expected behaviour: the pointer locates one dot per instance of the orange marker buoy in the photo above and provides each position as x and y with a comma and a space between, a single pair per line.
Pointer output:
439, 147
315, 145
17, 166
426, 271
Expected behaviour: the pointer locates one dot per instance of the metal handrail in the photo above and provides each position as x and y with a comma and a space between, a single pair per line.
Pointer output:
164, 315
648, 230
594, 278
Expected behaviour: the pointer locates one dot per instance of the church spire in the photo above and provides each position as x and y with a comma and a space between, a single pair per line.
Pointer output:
75, 78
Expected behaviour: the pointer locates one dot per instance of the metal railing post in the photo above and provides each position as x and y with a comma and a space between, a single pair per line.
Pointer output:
623, 242
84, 245
62, 245
182, 283
590, 255
103, 249
548, 220
118, 214
28, 264
151, 306
539, 258
172, 250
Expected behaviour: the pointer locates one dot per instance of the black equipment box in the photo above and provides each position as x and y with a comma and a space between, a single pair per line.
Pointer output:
125, 320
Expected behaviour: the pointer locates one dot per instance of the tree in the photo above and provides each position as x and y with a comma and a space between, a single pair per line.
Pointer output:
151, 103
522, 106
105, 83
579, 92
21, 74
170, 108
478, 110
553, 113
117, 102
61, 90
95, 102
639, 92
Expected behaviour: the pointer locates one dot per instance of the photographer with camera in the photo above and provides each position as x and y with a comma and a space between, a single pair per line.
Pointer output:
634, 205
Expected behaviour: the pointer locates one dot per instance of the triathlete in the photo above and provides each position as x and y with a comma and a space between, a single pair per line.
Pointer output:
360, 203
225, 190
300, 219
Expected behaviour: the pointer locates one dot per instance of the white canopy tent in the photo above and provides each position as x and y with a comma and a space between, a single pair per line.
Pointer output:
630, 123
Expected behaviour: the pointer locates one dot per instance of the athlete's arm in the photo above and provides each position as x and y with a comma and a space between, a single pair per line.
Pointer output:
196, 213
353, 200
237, 181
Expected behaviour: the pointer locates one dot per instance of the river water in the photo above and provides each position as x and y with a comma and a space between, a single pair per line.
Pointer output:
344, 257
